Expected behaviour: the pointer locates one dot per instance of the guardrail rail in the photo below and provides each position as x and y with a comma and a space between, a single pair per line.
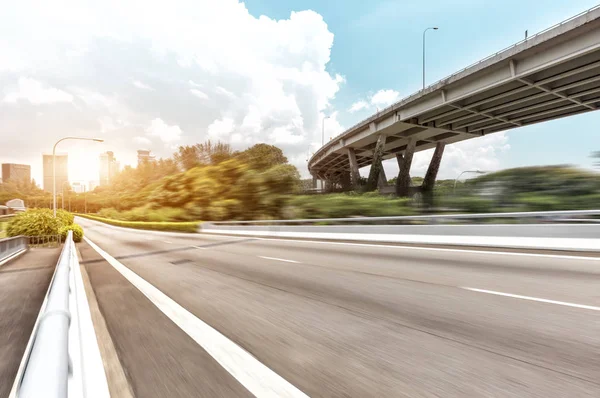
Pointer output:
10, 247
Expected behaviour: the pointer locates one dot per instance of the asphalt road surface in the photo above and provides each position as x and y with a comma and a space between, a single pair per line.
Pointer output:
23, 285
350, 320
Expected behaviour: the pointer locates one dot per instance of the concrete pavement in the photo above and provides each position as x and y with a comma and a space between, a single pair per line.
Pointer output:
23, 285
340, 319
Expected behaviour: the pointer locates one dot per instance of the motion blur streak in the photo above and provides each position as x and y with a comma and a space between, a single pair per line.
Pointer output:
354, 320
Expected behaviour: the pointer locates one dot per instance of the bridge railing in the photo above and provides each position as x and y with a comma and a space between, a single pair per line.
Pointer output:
62, 358
570, 216
11, 246
418, 93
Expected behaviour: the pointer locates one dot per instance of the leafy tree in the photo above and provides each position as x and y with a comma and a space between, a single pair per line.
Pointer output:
262, 156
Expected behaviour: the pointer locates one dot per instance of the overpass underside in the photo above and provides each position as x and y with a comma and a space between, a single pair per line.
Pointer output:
553, 75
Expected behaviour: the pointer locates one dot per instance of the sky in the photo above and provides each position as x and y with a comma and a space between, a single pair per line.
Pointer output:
157, 75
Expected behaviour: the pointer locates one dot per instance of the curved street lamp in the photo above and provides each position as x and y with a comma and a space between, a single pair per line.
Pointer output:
54, 164
466, 171
432, 28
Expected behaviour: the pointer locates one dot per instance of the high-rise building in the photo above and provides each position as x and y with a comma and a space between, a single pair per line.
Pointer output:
12, 172
92, 185
109, 167
62, 171
78, 187
144, 155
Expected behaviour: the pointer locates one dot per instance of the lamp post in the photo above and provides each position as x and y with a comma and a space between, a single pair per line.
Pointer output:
432, 28
466, 171
54, 164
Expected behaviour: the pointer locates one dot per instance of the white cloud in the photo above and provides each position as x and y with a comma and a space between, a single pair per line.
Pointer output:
142, 140
385, 97
36, 93
358, 105
266, 78
220, 129
142, 86
167, 134
198, 93
225, 92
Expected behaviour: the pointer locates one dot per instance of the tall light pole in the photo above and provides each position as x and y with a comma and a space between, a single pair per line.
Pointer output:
54, 164
323, 130
466, 171
432, 28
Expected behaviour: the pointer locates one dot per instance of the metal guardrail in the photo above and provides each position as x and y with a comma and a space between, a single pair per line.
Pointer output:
47, 366
11, 246
570, 215
44, 241
410, 97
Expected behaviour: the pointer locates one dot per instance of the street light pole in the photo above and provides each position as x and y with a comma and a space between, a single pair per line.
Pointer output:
434, 28
54, 165
466, 171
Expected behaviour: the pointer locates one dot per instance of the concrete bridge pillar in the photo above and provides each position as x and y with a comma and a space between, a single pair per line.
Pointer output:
403, 182
376, 166
382, 179
434, 166
354, 174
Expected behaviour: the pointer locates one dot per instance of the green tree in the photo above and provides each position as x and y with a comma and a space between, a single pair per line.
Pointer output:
262, 157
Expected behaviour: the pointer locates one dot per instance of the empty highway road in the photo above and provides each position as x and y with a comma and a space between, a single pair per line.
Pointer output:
324, 319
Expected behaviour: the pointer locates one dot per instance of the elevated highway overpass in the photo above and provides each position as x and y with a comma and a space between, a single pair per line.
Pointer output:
553, 74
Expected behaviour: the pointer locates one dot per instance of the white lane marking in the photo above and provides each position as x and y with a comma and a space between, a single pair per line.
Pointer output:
483, 251
200, 247
167, 241
247, 370
279, 259
541, 300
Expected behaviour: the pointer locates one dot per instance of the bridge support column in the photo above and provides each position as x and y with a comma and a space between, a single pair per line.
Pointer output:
376, 166
354, 174
314, 182
403, 181
382, 179
431, 175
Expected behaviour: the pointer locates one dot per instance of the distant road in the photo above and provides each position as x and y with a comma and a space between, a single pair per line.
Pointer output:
338, 319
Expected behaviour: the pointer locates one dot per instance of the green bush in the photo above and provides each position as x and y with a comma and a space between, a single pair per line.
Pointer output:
348, 205
77, 232
64, 217
35, 222
188, 226
40, 222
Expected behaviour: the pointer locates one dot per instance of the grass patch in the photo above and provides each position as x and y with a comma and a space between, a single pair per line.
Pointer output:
184, 226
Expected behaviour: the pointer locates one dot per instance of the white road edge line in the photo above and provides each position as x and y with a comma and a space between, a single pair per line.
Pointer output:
167, 241
541, 300
257, 378
279, 259
200, 247
437, 249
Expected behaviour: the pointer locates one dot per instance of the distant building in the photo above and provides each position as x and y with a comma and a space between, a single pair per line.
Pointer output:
144, 155
12, 172
77, 187
109, 167
62, 171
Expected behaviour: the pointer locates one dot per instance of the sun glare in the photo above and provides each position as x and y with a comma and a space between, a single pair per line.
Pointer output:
84, 166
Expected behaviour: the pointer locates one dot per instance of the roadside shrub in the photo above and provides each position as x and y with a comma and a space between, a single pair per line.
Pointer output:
348, 205
34, 222
187, 226
77, 232
64, 217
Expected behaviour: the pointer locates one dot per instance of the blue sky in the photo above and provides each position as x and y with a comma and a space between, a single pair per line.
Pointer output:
157, 75
377, 45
